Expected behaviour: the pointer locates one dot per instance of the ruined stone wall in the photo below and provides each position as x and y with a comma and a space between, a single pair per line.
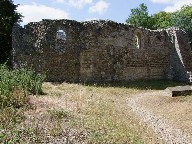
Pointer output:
93, 51
181, 56
109, 53
36, 46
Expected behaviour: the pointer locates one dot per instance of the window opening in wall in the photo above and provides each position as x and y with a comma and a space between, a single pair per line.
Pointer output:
137, 41
61, 35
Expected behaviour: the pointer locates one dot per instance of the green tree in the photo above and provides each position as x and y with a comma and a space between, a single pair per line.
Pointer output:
162, 20
140, 17
8, 17
183, 19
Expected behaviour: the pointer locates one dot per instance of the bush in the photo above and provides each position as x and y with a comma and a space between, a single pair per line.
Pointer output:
16, 84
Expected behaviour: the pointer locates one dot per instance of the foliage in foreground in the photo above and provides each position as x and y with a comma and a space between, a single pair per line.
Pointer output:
14, 85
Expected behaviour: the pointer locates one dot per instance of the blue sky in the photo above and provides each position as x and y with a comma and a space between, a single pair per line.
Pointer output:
82, 10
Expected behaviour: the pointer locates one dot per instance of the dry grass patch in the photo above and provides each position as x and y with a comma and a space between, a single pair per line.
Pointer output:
90, 114
177, 110
75, 113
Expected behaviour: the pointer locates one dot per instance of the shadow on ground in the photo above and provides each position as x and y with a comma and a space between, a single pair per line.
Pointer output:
142, 85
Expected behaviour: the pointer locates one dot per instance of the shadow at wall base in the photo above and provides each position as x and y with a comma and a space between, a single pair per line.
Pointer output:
138, 84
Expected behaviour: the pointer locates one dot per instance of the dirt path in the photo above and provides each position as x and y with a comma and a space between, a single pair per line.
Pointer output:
160, 125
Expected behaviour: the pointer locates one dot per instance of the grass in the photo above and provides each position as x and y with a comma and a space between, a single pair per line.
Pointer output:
106, 124
68, 113
91, 113
100, 113
15, 86
176, 110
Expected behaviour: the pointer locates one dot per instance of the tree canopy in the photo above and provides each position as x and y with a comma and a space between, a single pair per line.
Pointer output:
8, 17
161, 20
139, 17
181, 18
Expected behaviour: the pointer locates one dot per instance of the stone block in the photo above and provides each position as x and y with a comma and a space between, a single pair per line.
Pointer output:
179, 90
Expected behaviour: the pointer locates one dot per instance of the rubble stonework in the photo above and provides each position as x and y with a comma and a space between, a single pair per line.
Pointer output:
68, 50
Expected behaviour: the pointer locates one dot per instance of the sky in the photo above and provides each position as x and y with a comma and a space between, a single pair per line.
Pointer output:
83, 10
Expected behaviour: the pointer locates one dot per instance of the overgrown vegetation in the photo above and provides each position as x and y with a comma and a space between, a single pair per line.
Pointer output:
15, 86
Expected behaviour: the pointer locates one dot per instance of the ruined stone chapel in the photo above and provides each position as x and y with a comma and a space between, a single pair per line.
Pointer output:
67, 50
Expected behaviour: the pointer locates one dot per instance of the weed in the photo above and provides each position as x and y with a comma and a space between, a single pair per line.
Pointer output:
58, 114
57, 117
15, 85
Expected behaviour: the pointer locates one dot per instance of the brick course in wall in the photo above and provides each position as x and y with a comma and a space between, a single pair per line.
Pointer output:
68, 50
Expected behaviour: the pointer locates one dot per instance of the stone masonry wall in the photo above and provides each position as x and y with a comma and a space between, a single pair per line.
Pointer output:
68, 50
180, 58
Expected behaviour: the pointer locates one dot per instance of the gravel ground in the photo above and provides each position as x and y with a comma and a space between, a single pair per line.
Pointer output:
160, 126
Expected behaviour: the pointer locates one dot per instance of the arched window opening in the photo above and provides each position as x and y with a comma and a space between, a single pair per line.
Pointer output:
137, 40
61, 35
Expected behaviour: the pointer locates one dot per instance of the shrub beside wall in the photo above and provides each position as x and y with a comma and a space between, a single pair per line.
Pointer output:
15, 86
